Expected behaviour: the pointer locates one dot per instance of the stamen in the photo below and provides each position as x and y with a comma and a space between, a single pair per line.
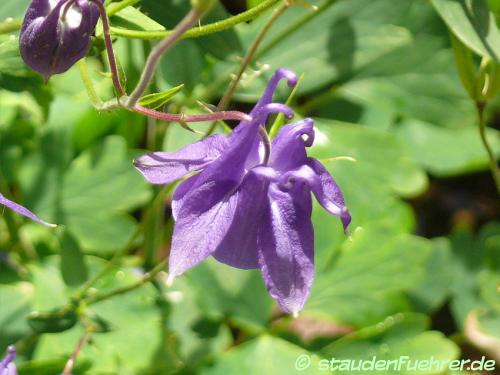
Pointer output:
266, 141
337, 158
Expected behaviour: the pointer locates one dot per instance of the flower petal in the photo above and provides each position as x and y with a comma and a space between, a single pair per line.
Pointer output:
289, 148
328, 193
322, 184
280, 74
7, 366
286, 246
239, 246
166, 167
23, 211
198, 233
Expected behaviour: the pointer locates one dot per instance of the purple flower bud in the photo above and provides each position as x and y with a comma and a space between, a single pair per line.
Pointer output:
56, 34
7, 365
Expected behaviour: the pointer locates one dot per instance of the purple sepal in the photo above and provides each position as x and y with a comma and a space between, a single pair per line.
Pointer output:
7, 365
23, 211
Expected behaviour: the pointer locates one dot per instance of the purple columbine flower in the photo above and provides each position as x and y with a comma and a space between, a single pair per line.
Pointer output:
23, 211
56, 34
247, 208
7, 366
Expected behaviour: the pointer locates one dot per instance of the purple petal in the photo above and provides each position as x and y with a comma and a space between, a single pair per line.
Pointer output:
286, 247
22, 210
321, 183
239, 247
198, 233
328, 193
280, 74
289, 147
7, 366
166, 167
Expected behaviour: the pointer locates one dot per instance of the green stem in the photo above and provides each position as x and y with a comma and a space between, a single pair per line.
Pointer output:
146, 278
495, 171
197, 32
87, 83
115, 75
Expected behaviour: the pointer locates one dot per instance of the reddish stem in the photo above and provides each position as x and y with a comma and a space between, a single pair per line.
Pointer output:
223, 115
109, 49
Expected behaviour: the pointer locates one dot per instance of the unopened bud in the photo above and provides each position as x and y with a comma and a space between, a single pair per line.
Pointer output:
54, 38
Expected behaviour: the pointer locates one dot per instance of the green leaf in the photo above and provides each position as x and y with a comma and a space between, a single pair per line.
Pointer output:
399, 336
435, 288
132, 18
465, 65
381, 158
99, 186
10, 59
252, 3
73, 267
198, 335
476, 273
473, 23
233, 293
447, 151
275, 356
134, 341
366, 279
15, 299
158, 99
183, 65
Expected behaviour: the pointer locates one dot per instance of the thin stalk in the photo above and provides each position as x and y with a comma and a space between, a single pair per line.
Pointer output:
226, 98
266, 141
223, 115
158, 51
495, 171
87, 83
109, 49
197, 32
144, 279
79, 346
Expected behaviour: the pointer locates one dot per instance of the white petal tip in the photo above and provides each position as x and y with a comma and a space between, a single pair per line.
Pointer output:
295, 314
170, 280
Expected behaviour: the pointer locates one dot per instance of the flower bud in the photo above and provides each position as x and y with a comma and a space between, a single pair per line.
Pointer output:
54, 38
